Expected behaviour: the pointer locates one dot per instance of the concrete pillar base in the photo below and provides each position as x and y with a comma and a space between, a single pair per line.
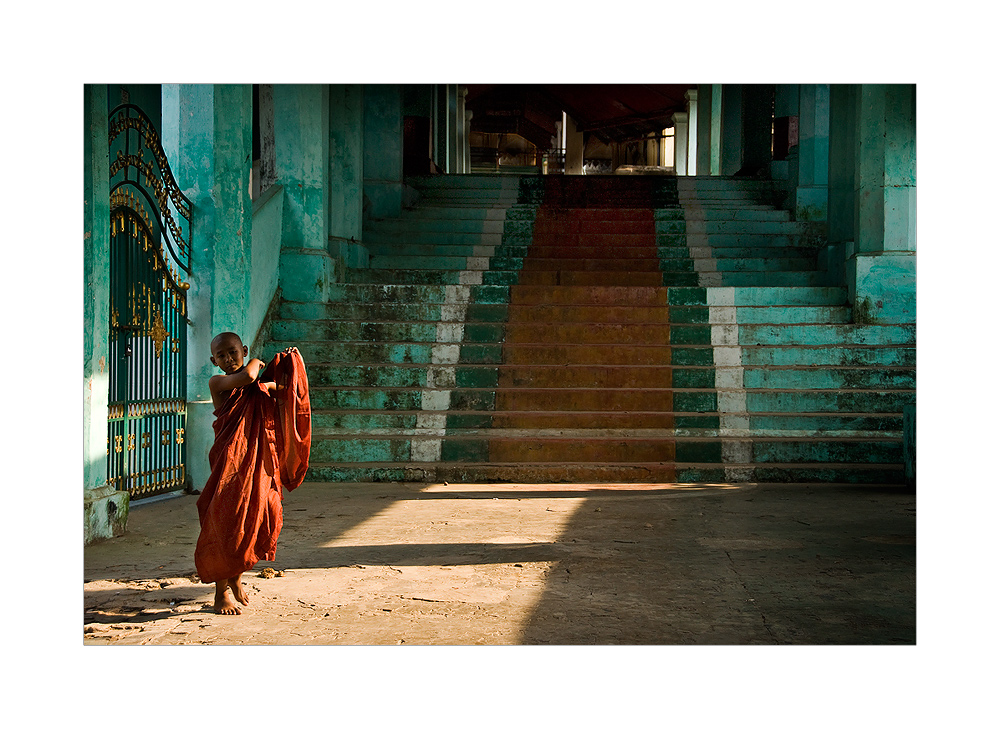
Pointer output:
105, 514
811, 202
306, 274
883, 287
347, 254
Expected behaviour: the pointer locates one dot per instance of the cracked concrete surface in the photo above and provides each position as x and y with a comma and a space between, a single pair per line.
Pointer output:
556, 564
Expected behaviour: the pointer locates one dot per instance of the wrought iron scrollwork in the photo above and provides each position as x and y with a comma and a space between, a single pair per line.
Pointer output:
150, 255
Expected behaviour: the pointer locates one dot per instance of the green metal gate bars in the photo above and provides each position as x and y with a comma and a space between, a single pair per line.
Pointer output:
150, 252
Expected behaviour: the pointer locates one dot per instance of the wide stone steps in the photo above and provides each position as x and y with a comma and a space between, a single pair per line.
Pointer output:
496, 339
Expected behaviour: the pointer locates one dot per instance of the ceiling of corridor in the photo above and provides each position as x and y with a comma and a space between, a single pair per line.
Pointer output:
612, 112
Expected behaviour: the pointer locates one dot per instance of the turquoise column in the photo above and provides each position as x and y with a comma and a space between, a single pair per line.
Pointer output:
882, 271
842, 163
757, 106
731, 155
105, 511
814, 152
346, 177
841, 198
383, 150
214, 136
302, 168
709, 128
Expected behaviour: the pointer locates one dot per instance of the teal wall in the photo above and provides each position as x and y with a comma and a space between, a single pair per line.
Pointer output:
105, 510
346, 177
214, 133
302, 161
265, 255
383, 151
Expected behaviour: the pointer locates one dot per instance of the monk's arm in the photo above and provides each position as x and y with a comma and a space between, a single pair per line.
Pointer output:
246, 376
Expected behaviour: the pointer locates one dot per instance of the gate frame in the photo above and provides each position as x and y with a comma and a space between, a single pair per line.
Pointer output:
150, 212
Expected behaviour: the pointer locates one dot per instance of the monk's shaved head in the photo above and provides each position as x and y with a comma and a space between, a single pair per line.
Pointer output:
225, 336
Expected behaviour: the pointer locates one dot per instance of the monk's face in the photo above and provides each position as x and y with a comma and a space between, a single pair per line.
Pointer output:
228, 354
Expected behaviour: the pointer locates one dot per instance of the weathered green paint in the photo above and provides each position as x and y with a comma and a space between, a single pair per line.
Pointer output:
105, 510
383, 150
346, 175
214, 137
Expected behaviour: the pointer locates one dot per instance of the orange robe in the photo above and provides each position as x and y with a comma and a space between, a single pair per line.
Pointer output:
261, 444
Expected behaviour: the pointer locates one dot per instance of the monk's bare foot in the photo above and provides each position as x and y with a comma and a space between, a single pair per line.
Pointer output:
238, 592
223, 605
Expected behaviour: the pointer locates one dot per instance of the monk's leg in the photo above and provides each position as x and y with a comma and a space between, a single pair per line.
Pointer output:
238, 592
223, 605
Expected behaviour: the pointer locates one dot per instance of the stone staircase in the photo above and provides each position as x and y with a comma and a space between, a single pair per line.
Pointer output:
602, 328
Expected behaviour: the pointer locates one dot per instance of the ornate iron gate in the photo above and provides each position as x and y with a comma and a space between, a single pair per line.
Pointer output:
150, 252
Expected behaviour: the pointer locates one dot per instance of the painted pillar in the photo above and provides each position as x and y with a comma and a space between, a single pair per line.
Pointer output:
841, 200
882, 273
842, 165
443, 123
383, 150
215, 131
467, 146
757, 105
105, 510
692, 137
302, 168
680, 120
709, 128
814, 152
574, 148
346, 177
731, 154
459, 141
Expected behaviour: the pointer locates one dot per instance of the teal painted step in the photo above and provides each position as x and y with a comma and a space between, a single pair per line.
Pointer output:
371, 352
355, 331
360, 449
724, 265
732, 240
750, 214
791, 279
814, 425
359, 421
409, 223
416, 237
860, 356
829, 401
367, 375
369, 473
336, 398
816, 378
414, 293
682, 251
432, 250
793, 315
797, 473
391, 276
409, 263
439, 213
826, 334
828, 451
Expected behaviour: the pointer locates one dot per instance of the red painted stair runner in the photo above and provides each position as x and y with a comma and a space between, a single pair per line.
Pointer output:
587, 340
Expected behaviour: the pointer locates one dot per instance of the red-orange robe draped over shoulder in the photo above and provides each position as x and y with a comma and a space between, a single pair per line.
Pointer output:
261, 444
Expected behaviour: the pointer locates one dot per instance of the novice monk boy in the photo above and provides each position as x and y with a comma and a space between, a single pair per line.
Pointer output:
262, 438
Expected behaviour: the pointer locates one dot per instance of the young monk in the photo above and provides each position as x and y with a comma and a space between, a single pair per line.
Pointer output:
262, 439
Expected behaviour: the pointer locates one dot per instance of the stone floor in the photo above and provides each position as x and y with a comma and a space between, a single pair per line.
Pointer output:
577, 564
